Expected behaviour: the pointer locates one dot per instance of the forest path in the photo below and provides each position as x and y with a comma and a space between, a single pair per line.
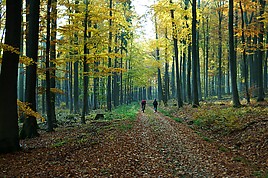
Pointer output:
179, 152
150, 146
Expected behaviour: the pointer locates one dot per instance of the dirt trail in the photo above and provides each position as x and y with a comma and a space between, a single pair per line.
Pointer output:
181, 152
159, 147
152, 146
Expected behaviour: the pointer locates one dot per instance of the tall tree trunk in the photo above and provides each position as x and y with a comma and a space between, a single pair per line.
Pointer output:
189, 67
176, 52
21, 67
121, 73
198, 58
76, 85
71, 87
184, 72
76, 69
9, 129
244, 53
194, 56
206, 58
173, 87
53, 58
232, 57
29, 129
109, 92
48, 81
86, 67
265, 79
166, 94
115, 76
220, 16
66, 86
159, 79
261, 52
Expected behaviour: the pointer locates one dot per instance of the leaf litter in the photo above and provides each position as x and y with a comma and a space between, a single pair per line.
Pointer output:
154, 146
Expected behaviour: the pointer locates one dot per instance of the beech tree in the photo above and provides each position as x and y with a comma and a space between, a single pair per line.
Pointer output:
261, 52
110, 38
195, 60
232, 56
9, 130
176, 56
29, 128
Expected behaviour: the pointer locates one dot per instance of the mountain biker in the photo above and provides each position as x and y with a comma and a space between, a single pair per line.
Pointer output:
143, 103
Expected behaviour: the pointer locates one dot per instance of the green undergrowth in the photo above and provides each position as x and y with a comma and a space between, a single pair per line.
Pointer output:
123, 112
127, 113
169, 113
225, 119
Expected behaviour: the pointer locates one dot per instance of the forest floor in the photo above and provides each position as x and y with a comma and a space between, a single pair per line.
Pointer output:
152, 145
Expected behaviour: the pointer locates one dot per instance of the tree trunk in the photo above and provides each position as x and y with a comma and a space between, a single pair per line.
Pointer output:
109, 92
121, 73
76, 69
159, 79
220, 55
206, 59
53, 58
86, 67
21, 67
184, 72
195, 57
261, 52
173, 87
176, 52
189, 67
166, 93
244, 53
96, 83
29, 129
232, 57
265, 79
9, 130
48, 81
116, 77
66, 86
71, 87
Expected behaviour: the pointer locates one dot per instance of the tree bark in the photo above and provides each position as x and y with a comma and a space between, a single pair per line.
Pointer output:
220, 16
53, 58
195, 57
176, 52
86, 67
244, 56
232, 58
76, 69
109, 92
29, 129
261, 52
9, 129
48, 81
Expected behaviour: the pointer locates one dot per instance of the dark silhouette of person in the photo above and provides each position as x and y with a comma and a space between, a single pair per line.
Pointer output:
155, 103
143, 103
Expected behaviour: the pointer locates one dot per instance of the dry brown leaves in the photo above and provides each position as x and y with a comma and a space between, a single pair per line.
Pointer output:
152, 146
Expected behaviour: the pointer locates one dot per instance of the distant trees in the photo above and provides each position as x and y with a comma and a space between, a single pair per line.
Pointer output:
223, 70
